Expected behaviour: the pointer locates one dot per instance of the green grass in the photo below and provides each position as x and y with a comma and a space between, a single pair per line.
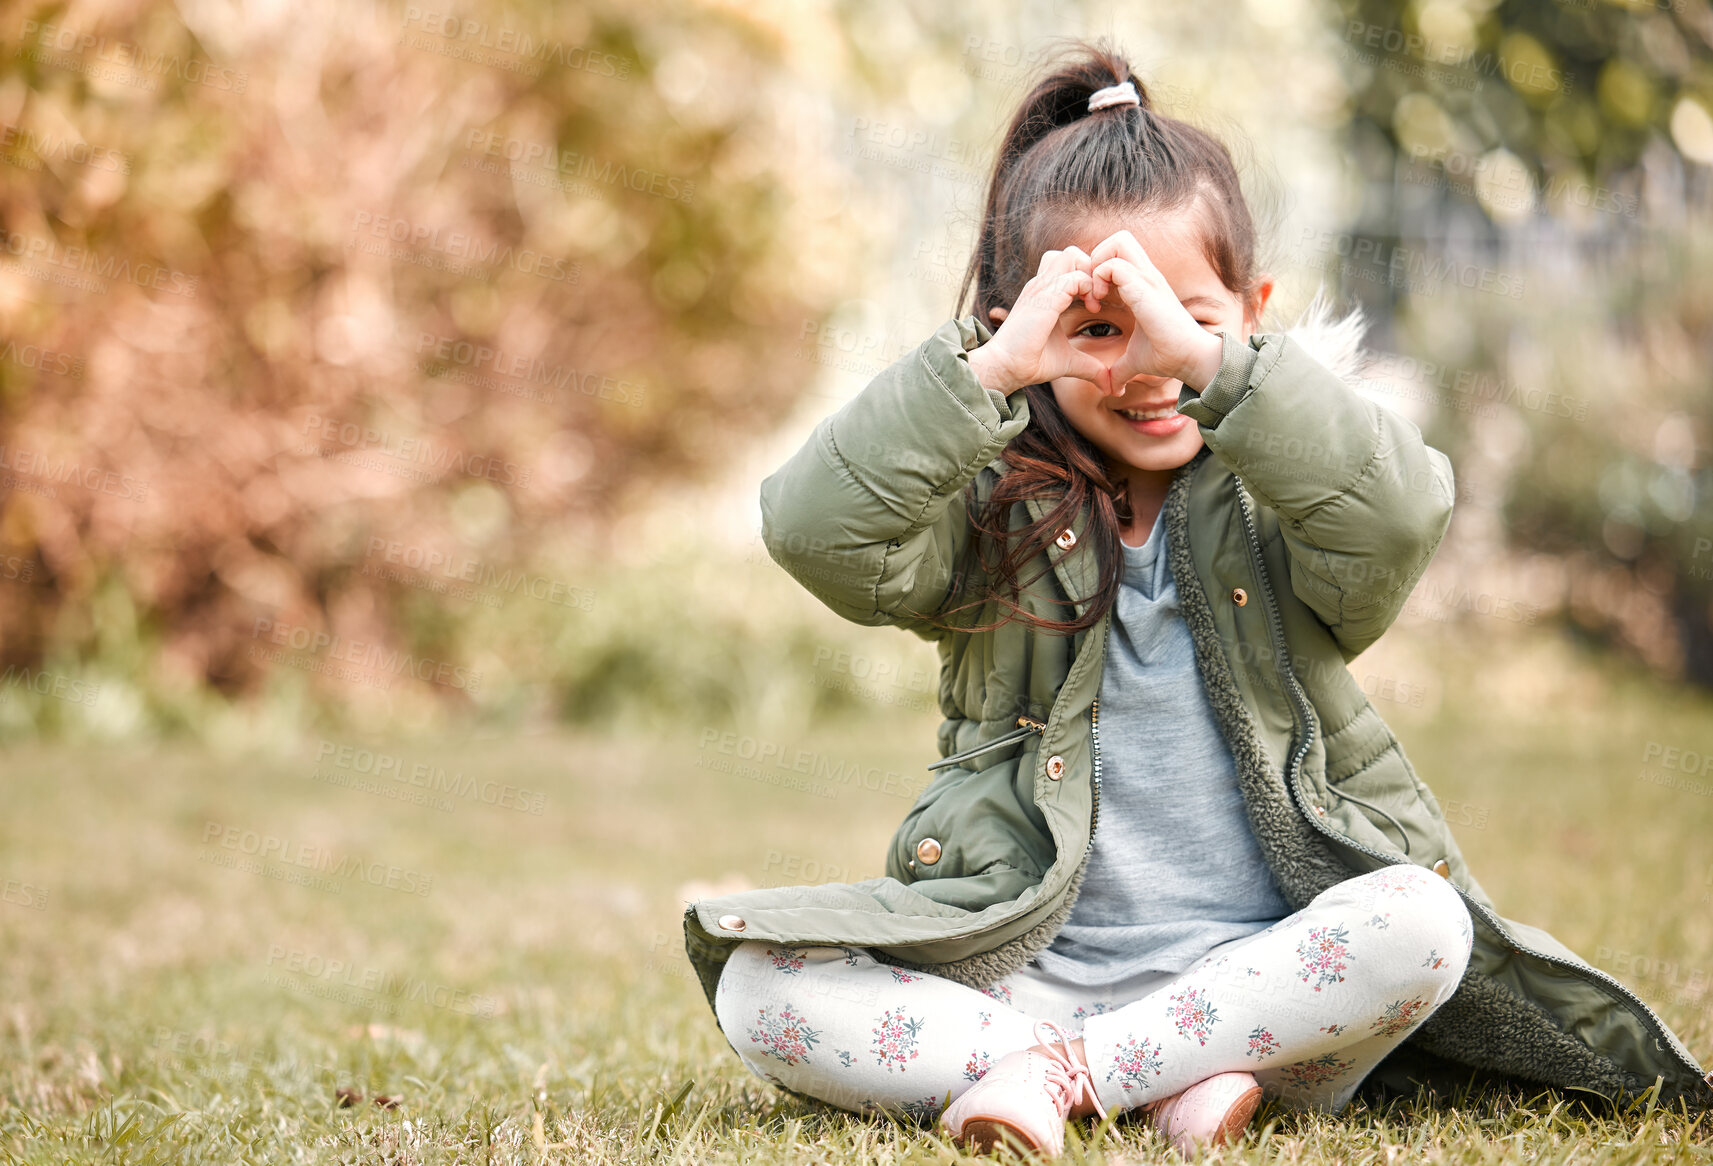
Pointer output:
535, 1003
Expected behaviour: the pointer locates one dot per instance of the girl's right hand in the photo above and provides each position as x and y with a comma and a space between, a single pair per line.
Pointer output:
1031, 346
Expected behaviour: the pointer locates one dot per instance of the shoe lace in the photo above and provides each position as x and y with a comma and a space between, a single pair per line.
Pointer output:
1067, 1077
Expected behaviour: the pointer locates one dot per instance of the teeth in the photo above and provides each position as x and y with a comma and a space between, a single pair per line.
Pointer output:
1149, 414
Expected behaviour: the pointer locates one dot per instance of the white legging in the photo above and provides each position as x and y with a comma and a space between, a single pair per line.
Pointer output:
1309, 1006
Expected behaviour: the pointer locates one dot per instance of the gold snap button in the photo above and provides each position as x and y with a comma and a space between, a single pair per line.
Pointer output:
732, 922
1442, 868
1239, 596
928, 850
1055, 767
1067, 539
1321, 810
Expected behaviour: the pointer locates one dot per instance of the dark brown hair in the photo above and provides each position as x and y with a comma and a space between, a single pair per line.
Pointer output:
1058, 163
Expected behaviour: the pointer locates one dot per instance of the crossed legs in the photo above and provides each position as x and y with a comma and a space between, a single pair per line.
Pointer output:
1309, 1006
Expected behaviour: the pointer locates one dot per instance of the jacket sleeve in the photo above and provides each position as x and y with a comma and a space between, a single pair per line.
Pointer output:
869, 513
1362, 499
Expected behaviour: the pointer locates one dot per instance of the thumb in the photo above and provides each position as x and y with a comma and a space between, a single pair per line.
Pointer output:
1084, 366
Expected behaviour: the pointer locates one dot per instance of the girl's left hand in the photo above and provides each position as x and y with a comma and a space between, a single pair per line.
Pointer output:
1166, 341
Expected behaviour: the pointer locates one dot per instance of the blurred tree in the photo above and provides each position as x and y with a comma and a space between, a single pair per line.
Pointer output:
313, 311
1558, 153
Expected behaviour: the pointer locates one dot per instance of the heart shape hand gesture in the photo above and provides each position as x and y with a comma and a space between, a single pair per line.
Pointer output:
1166, 340
1031, 347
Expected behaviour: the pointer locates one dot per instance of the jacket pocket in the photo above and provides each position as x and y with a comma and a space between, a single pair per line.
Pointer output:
1386, 790
972, 822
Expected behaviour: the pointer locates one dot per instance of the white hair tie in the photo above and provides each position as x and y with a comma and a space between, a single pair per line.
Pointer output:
1123, 93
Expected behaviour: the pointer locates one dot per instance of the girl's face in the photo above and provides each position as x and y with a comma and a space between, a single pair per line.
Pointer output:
1140, 428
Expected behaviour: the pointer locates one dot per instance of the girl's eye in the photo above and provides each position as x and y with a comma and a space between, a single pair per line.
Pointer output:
1084, 330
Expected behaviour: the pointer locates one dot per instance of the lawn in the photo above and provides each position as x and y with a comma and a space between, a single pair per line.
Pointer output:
422, 951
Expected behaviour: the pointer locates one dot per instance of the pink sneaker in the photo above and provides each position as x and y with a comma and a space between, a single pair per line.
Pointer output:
1212, 1112
1025, 1099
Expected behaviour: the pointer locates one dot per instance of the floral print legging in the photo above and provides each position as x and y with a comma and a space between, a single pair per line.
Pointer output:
1309, 1006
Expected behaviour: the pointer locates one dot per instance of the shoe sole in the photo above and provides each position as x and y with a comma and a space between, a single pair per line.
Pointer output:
982, 1134
1237, 1117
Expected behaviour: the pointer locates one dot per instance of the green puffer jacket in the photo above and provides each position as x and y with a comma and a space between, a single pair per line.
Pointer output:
1295, 537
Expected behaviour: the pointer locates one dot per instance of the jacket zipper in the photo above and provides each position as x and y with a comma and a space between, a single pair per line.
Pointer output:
1026, 725
1094, 730
1303, 715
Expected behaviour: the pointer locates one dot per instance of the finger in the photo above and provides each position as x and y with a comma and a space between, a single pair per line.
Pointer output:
1080, 261
1050, 296
1129, 247
997, 315
1084, 366
1072, 285
1055, 263
1123, 275
1129, 366
1135, 283
1100, 290
1120, 243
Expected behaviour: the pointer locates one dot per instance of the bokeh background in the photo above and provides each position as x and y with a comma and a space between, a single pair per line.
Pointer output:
384, 394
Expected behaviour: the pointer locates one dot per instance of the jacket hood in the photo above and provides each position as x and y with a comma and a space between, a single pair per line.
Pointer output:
1334, 341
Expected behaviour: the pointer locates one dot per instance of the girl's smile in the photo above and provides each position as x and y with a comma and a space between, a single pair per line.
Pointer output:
1154, 422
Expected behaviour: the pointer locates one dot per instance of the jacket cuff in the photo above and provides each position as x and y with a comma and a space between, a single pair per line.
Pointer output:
1227, 390
951, 345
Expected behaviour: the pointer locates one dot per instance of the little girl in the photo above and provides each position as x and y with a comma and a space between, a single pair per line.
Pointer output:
1172, 860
